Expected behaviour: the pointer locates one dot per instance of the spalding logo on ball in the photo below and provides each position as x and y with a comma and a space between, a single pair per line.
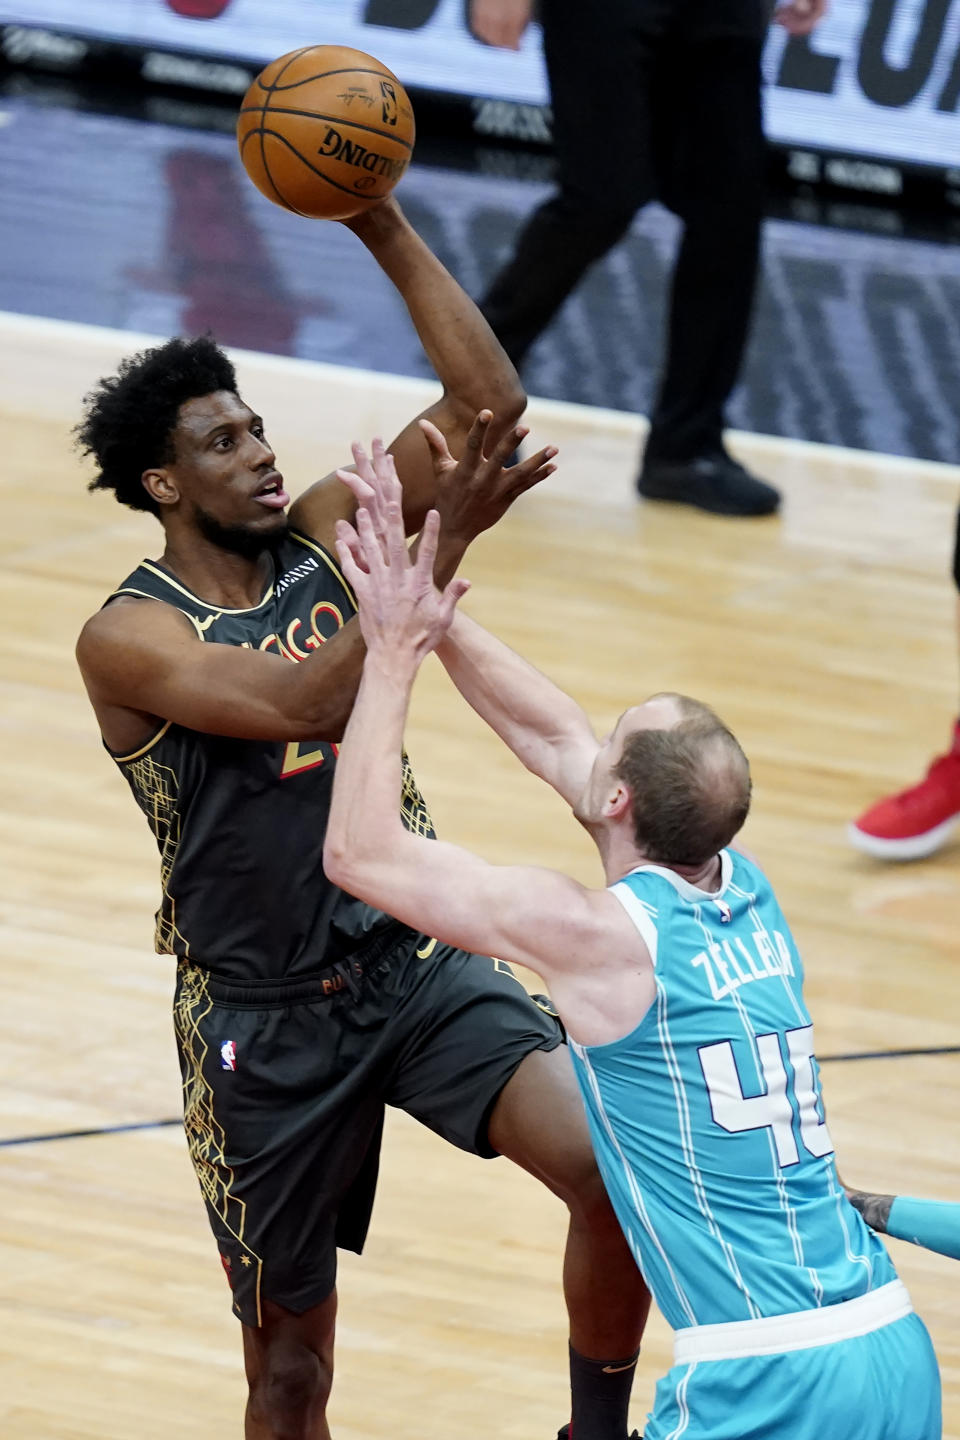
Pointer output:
326, 131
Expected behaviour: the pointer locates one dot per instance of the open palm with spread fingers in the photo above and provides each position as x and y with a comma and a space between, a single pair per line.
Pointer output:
403, 615
477, 490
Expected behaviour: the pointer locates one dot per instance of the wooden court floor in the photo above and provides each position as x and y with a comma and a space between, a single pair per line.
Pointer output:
825, 638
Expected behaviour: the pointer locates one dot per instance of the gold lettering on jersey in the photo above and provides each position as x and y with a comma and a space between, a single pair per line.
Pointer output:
318, 638
292, 645
289, 647
727, 970
269, 640
303, 755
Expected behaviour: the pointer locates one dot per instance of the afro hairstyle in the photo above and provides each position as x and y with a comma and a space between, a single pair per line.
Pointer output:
129, 419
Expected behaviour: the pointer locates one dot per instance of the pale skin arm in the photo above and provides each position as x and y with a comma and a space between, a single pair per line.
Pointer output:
535, 917
468, 360
546, 729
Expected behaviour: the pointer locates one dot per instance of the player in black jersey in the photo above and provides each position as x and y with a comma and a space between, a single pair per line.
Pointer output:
299, 1011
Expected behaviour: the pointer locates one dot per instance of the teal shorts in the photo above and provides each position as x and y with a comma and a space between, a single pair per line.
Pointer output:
881, 1386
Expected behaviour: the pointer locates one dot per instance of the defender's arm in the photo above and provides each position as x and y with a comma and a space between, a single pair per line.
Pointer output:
546, 729
537, 917
534, 917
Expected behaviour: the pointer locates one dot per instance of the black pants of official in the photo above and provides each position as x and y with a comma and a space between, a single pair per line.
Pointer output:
652, 99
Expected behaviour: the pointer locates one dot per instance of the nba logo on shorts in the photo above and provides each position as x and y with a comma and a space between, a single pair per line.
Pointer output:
228, 1055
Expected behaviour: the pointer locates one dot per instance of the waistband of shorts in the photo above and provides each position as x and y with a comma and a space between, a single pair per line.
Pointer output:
347, 968
800, 1330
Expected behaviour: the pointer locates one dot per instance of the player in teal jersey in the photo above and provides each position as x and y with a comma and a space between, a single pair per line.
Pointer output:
682, 992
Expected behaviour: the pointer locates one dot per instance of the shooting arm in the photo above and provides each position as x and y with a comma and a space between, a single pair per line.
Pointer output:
544, 727
145, 657
465, 354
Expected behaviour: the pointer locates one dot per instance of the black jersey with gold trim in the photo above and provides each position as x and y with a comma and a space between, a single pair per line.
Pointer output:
240, 823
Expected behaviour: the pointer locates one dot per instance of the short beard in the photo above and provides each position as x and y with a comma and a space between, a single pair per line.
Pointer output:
237, 539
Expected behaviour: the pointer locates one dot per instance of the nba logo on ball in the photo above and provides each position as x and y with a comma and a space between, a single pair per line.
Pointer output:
326, 131
228, 1055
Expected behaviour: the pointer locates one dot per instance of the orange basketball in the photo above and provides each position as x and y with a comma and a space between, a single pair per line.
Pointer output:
326, 131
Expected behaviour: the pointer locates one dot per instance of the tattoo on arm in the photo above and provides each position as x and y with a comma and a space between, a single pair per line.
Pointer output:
875, 1209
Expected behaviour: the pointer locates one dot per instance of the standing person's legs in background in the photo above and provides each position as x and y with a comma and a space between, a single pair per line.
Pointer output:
601, 63
710, 158
917, 821
656, 96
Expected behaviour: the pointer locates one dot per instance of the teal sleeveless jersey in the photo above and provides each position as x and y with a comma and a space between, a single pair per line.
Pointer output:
707, 1120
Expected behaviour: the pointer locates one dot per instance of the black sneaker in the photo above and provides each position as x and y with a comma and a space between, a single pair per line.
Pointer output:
717, 483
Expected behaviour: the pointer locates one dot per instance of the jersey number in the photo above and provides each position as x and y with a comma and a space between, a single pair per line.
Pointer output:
298, 757
736, 1112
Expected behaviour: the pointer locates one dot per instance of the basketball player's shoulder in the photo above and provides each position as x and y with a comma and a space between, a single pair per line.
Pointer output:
138, 612
314, 514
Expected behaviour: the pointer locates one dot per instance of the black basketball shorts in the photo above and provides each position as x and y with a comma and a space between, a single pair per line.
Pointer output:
285, 1085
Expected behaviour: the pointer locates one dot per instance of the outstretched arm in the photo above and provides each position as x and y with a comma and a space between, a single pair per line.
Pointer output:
536, 917
546, 729
466, 356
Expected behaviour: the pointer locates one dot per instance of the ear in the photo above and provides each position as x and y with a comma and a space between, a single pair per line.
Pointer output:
160, 486
618, 801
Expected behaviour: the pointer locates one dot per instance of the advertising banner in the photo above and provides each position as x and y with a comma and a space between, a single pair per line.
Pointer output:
879, 79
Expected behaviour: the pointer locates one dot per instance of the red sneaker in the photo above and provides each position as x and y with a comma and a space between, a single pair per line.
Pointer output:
917, 821
198, 9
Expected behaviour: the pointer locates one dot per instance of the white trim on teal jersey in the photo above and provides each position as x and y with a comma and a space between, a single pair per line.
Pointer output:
798, 1330
682, 1405
684, 889
633, 1187
689, 1153
642, 915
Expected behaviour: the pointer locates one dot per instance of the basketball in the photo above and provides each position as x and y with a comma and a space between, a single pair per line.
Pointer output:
326, 131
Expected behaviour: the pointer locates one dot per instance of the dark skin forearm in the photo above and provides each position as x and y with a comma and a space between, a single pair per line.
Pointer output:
466, 356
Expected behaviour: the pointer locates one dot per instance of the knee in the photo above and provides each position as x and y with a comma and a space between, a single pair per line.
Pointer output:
582, 1190
592, 221
290, 1393
590, 1206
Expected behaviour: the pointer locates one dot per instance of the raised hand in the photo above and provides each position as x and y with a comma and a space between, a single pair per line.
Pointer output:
374, 485
475, 491
403, 615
